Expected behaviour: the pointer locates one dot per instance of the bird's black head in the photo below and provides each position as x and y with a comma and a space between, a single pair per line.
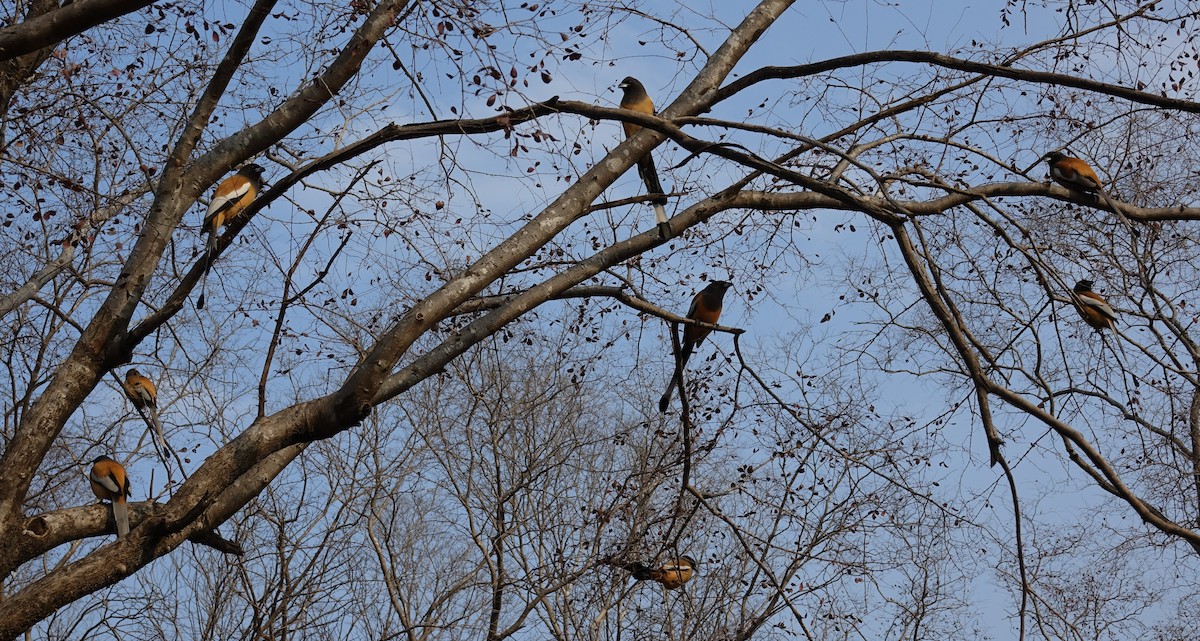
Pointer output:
631, 83
132, 372
689, 561
1084, 285
253, 171
1054, 156
102, 457
721, 285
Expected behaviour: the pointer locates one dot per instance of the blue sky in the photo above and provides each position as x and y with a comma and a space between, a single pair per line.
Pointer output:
784, 328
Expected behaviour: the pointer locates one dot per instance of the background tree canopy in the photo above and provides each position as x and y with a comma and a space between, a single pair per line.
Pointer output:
420, 401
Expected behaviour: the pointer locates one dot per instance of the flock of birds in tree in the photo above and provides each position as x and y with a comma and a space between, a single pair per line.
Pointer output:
235, 193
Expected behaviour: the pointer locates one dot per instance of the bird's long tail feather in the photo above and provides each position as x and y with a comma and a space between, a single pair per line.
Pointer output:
664, 226
1109, 201
665, 401
210, 252
121, 516
650, 177
640, 572
158, 431
1117, 210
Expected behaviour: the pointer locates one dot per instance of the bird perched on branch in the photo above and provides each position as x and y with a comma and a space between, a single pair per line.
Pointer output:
635, 98
1093, 308
706, 308
109, 483
1077, 175
144, 396
671, 574
231, 197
